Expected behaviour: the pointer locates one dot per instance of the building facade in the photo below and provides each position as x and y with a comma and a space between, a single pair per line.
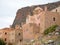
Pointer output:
11, 35
41, 19
33, 28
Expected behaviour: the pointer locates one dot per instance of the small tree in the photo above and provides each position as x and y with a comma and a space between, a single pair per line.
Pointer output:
2, 42
50, 29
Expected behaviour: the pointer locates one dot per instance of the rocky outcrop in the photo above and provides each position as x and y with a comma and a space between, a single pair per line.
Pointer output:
23, 12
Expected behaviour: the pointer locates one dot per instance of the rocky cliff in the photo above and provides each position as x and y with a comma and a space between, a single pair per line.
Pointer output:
23, 12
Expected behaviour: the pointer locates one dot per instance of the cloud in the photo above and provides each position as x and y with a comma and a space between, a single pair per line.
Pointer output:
6, 21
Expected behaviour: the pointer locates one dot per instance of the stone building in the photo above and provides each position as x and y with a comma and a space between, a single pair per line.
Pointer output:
12, 36
18, 35
22, 13
7, 35
38, 22
42, 18
56, 9
30, 31
34, 26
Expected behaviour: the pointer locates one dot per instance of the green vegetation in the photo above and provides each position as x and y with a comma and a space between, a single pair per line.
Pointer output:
2, 42
50, 29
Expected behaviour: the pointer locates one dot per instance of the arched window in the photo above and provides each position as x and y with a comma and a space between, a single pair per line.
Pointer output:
19, 34
20, 40
53, 18
5, 33
5, 39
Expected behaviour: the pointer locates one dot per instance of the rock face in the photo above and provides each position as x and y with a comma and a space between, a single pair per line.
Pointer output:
23, 12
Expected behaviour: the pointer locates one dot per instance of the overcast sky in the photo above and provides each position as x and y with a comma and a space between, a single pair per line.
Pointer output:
8, 9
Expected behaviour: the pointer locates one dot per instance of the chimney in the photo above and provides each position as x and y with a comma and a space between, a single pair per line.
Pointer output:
45, 8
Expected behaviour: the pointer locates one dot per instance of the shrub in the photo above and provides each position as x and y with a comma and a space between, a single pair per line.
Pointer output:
50, 29
2, 42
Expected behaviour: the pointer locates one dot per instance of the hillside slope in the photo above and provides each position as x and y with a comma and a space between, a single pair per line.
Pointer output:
23, 12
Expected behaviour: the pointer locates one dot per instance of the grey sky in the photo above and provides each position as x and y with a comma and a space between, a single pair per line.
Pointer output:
8, 9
